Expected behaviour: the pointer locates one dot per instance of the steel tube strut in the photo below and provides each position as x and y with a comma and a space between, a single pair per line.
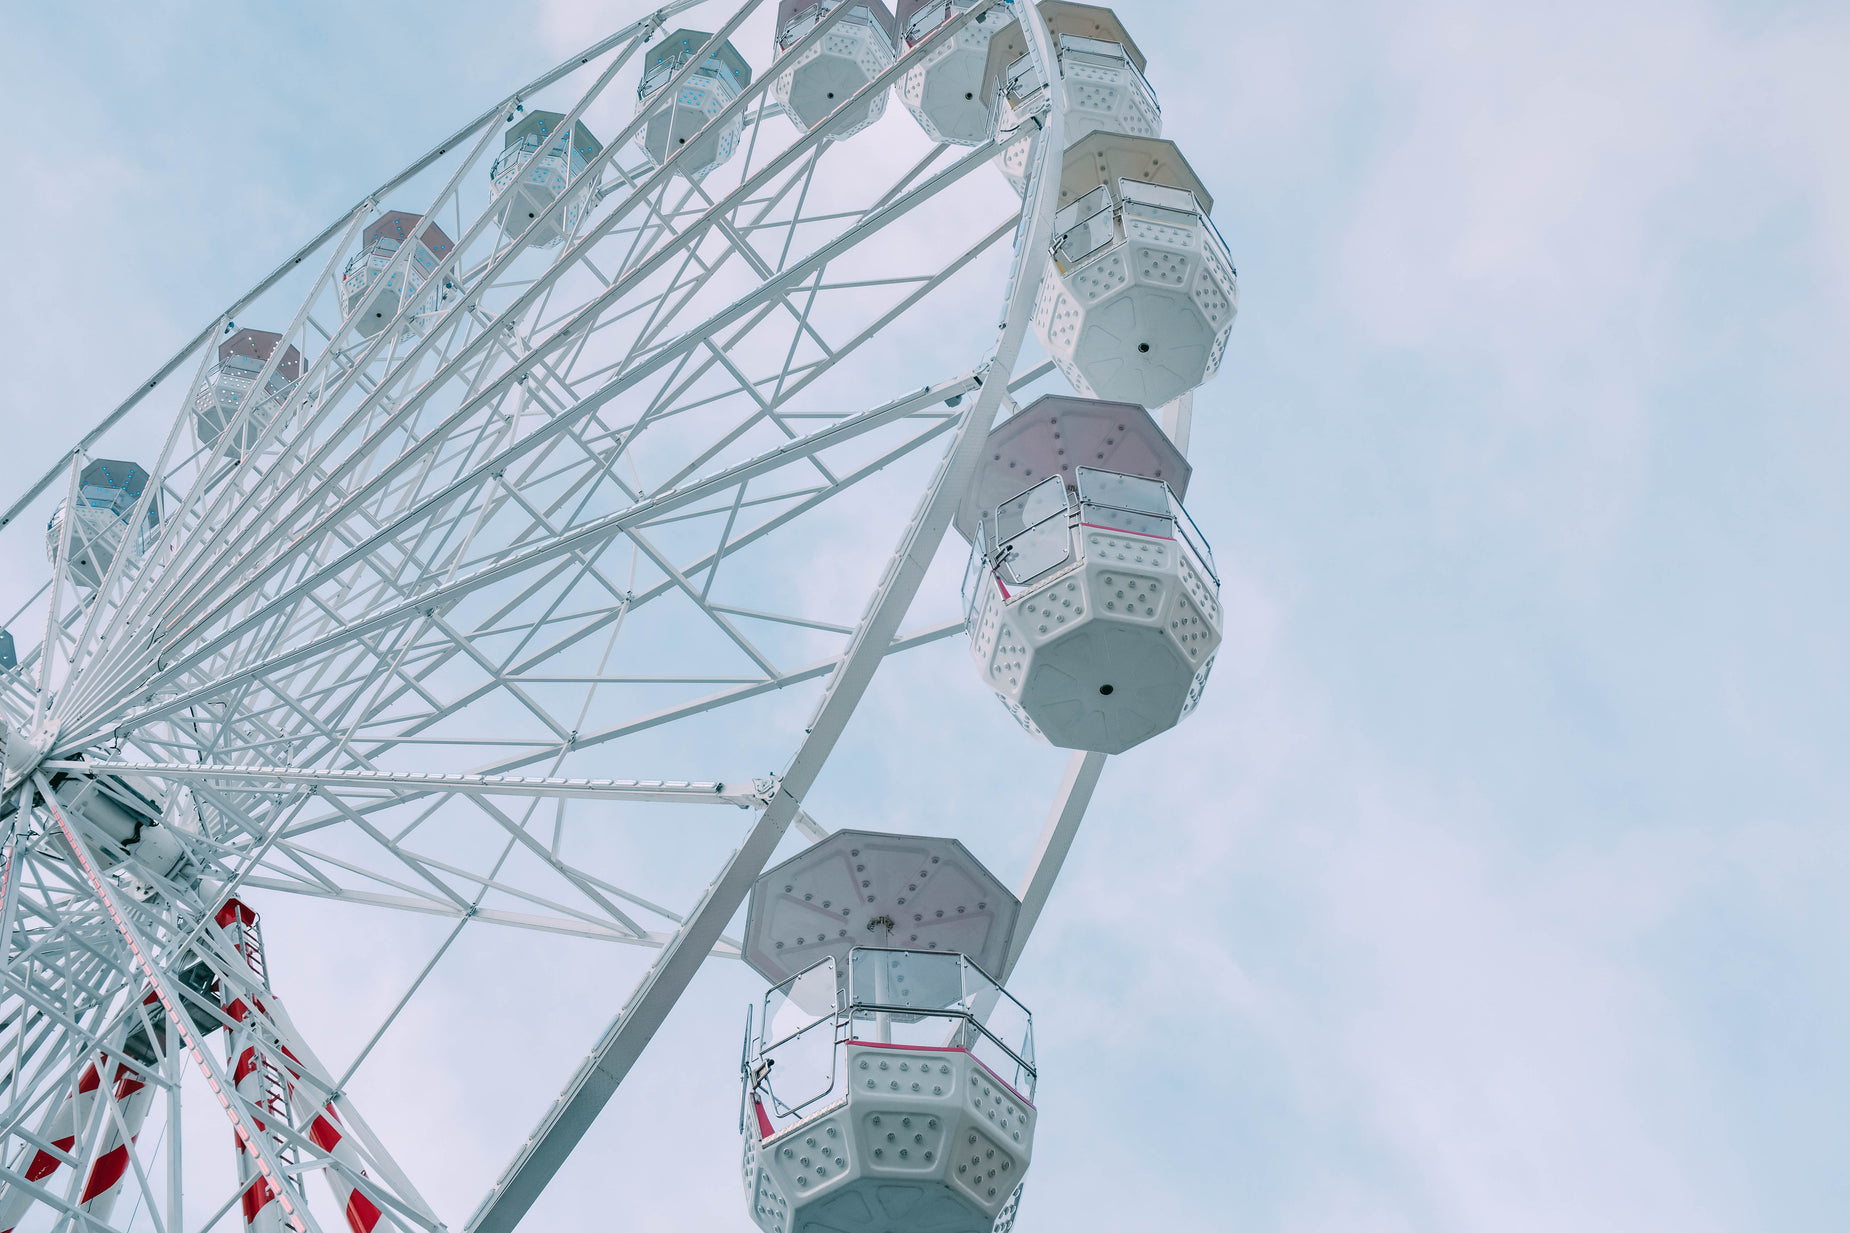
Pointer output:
418, 783
597, 1078
654, 21
586, 534
1069, 809
270, 1167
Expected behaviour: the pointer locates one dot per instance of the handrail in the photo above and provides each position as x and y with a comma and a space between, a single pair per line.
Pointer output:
836, 1041
570, 154
975, 569
1196, 541
925, 20
969, 1016
658, 74
988, 561
1096, 237
1005, 545
1179, 517
243, 382
1022, 66
790, 982
1067, 222
851, 1005
843, 1027
420, 265
930, 954
802, 22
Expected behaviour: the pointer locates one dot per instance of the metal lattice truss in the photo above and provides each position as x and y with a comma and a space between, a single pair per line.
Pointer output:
408, 633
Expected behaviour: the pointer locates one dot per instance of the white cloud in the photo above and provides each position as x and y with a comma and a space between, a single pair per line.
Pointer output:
1322, 959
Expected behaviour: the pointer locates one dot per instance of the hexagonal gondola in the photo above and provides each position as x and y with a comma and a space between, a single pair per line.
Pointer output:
889, 1084
540, 177
815, 81
1139, 300
682, 121
1091, 600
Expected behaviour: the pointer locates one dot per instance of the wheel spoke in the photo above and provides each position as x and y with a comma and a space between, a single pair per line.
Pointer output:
409, 620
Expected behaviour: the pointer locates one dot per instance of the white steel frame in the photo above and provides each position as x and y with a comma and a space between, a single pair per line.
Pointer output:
403, 601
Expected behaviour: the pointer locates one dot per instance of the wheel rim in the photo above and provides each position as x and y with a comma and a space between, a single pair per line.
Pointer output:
402, 590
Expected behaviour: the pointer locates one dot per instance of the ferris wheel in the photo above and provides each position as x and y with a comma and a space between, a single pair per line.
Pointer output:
541, 479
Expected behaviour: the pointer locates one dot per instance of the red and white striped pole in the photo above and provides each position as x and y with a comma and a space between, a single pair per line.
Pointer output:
133, 1097
265, 1084
61, 1129
249, 1075
269, 1163
363, 1215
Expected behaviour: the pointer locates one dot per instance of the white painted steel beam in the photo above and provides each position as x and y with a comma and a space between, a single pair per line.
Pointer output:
262, 546
1082, 775
738, 311
597, 531
741, 795
1069, 809
252, 1136
654, 21
571, 1115
225, 525
263, 699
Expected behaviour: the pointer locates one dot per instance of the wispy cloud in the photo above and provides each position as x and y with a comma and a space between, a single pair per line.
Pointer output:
1495, 883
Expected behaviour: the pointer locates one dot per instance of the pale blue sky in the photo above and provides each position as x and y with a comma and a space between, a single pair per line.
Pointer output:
1496, 885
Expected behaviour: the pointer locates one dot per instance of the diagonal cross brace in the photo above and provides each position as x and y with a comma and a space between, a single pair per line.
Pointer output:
605, 1067
270, 1166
